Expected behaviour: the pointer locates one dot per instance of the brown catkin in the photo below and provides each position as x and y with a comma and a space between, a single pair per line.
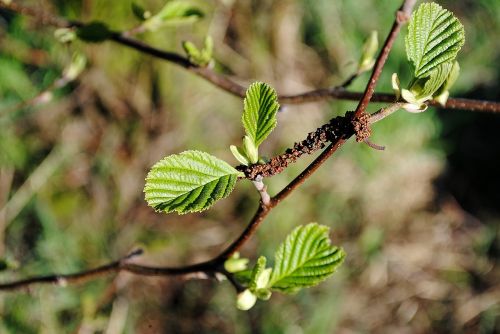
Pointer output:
341, 127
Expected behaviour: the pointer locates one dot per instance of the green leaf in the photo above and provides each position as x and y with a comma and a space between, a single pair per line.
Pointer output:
94, 32
370, 47
260, 108
424, 88
260, 275
251, 150
199, 57
305, 259
443, 92
174, 13
191, 50
434, 37
259, 280
189, 181
239, 154
208, 48
236, 264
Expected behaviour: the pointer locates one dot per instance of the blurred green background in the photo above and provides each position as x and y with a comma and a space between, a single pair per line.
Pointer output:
419, 221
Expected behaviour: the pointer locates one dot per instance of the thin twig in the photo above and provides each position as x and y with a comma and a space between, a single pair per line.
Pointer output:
41, 98
384, 112
402, 16
262, 189
234, 88
215, 265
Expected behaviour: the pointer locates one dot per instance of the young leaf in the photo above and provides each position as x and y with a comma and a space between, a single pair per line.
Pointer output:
434, 37
239, 154
208, 48
191, 50
189, 181
305, 259
368, 53
426, 87
173, 13
236, 264
259, 115
443, 92
260, 275
201, 57
251, 150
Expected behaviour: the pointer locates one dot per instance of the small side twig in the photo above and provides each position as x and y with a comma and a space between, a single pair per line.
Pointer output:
262, 189
384, 112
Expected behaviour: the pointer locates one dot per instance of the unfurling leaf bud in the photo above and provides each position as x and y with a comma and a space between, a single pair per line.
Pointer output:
370, 48
251, 150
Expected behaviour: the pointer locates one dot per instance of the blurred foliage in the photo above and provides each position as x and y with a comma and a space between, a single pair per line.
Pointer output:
422, 255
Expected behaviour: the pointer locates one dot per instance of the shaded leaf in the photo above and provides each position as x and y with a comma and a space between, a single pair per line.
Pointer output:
305, 259
370, 47
189, 181
174, 13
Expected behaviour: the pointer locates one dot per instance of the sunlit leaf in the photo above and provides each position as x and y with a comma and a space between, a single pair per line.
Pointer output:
427, 86
259, 115
305, 259
434, 37
189, 181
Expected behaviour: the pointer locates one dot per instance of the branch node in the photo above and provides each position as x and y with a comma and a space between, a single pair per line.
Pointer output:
402, 17
361, 125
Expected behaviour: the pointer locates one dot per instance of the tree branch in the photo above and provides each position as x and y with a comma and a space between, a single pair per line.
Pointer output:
402, 16
234, 88
216, 265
